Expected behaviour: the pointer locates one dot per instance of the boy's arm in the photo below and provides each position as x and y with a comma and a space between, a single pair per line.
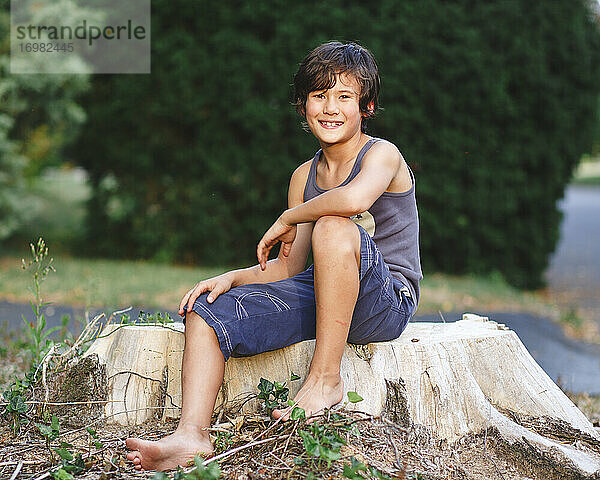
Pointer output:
379, 167
291, 261
284, 266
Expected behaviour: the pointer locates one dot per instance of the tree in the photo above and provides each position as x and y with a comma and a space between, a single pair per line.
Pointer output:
39, 115
491, 103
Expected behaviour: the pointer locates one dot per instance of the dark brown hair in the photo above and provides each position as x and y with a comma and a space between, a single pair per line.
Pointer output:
319, 69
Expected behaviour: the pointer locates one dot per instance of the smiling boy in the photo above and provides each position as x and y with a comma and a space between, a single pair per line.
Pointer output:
354, 205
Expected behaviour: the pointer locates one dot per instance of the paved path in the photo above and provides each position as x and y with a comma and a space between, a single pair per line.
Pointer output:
574, 271
575, 365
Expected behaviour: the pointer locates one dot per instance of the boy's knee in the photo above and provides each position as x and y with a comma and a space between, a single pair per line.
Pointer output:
337, 233
197, 323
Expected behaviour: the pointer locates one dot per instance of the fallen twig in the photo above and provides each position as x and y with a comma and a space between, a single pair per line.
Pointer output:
17, 470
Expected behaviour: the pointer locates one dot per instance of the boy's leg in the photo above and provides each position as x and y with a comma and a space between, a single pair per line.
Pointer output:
201, 377
336, 252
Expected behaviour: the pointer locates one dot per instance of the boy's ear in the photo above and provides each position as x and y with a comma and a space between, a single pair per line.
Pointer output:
370, 108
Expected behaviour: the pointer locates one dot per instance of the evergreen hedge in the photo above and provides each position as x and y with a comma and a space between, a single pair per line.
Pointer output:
491, 103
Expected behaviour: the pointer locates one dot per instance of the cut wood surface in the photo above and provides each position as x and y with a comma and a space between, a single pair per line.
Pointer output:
450, 379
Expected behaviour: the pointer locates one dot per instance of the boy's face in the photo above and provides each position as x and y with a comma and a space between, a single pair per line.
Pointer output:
334, 115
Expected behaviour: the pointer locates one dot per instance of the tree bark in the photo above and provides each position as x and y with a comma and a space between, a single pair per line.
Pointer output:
450, 379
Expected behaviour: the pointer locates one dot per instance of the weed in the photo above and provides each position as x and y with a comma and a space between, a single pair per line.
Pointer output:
39, 266
273, 393
357, 470
145, 317
15, 399
69, 464
223, 441
50, 433
93, 440
212, 471
321, 442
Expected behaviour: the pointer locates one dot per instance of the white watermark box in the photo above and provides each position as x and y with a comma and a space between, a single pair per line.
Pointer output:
80, 36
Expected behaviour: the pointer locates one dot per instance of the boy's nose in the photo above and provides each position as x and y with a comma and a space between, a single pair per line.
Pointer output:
331, 107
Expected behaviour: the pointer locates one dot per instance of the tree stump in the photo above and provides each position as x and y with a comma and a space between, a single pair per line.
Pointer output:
451, 379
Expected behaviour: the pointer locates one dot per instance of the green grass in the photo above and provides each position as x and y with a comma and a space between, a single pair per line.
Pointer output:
110, 283
588, 181
587, 172
59, 209
104, 283
480, 294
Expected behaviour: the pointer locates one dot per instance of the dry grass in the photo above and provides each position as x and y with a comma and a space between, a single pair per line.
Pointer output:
253, 446
394, 451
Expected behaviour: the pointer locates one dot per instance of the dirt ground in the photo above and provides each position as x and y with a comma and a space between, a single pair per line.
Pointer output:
249, 446
396, 452
275, 451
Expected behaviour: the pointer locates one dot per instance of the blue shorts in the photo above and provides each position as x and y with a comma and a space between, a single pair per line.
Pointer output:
259, 317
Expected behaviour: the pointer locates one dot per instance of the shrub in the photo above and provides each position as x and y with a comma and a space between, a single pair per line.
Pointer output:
492, 104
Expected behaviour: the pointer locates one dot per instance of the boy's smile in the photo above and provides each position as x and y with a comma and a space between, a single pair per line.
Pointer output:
334, 115
329, 124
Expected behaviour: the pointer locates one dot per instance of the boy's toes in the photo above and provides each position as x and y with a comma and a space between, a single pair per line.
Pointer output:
277, 414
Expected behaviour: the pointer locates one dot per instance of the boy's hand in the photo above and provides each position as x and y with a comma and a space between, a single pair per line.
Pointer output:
280, 231
216, 286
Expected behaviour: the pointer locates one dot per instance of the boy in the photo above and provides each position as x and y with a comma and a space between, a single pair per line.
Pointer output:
354, 203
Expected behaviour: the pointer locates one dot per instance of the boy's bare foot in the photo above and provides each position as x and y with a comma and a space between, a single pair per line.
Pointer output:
318, 393
179, 448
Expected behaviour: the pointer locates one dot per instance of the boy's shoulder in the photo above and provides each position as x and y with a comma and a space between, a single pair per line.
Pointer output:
302, 171
384, 155
383, 148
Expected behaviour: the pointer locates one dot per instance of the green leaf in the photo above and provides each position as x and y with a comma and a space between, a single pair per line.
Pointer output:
45, 430
293, 377
265, 387
298, 413
311, 444
62, 474
377, 474
160, 476
352, 471
212, 471
354, 397
328, 454
50, 331
75, 466
98, 445
179, 474
17, 404
92, 432
65, 445
64, 454
55, 425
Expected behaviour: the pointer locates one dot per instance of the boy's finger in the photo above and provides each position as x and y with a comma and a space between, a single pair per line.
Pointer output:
260, 255
184, 302
198, 290
212, 296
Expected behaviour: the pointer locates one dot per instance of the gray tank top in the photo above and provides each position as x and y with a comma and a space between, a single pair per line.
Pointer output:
392, 222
